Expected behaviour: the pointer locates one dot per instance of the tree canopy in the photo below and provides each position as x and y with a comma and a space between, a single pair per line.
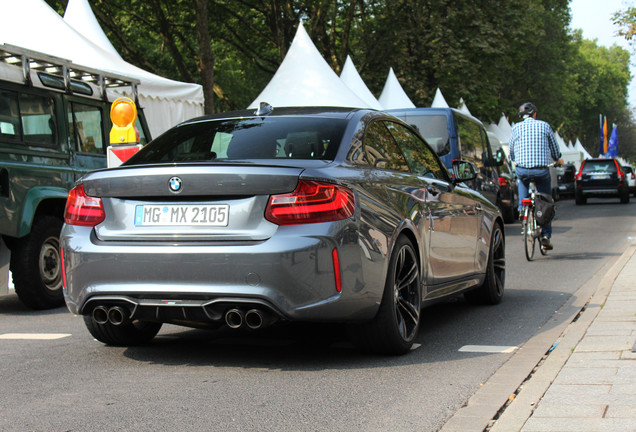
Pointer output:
492, 53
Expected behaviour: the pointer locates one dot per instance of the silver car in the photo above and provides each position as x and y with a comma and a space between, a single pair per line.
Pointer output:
249, 219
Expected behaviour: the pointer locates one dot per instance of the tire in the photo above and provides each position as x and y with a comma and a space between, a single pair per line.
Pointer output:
625, 198
579, 199
36, 265
491, 291
396, 324
127, 334
529, 227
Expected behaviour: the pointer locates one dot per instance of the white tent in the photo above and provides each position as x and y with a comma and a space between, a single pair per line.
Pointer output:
579, 147
567, 154
438, 100
353, 80
504, 128
79, 15
32, 24
463, 107
305, 79
393, 95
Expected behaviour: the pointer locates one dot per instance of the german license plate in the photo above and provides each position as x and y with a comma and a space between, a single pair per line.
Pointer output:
182, 215
600, 176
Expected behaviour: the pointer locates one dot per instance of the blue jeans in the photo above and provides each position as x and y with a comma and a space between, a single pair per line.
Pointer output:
542, 180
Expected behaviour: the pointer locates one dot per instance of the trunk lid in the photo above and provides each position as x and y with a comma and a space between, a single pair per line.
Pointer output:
188, 203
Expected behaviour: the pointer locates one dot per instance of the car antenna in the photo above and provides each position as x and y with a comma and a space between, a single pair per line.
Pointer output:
264, 109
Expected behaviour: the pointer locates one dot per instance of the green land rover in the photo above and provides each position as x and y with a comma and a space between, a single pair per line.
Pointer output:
54, 127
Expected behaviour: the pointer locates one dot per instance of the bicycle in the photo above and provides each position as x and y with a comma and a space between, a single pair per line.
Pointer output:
530, 229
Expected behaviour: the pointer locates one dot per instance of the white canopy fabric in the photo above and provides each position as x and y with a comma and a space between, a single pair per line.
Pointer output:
567, 154
505, 128
353, 80
79, 15
439, 101
579, 147
32, 24
304, 78
393, 95
463, 107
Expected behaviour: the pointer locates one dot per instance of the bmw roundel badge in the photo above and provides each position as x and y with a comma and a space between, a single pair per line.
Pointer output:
175, 184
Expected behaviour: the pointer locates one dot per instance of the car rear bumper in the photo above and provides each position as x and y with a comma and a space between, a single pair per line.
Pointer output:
292, 275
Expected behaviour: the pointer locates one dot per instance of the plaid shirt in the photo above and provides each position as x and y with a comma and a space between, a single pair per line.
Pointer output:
532, 144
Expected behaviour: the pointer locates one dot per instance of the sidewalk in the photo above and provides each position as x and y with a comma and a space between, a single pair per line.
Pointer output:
588, 381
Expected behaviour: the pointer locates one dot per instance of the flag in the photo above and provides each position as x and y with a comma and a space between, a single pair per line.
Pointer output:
612, 147
605, 136
600, 128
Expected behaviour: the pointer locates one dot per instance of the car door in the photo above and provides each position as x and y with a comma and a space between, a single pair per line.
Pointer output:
452, 213
474, 148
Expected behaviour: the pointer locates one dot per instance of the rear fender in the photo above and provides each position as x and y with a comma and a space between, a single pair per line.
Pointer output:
45, 199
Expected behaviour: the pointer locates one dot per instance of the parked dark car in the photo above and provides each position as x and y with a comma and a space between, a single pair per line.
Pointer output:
601, 178
565, 178
288, 214
454, 135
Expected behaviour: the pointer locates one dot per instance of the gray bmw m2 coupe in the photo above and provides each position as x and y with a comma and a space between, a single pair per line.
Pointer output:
257, 218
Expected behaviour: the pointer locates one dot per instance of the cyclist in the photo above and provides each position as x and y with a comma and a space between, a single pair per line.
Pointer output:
533, 147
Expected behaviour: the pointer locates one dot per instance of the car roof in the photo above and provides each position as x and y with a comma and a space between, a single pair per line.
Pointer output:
328, 112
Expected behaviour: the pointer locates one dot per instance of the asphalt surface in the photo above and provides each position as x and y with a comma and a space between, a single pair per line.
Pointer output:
298, 378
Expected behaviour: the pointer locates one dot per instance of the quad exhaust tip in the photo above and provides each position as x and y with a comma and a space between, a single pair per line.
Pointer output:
115, 315
234, 318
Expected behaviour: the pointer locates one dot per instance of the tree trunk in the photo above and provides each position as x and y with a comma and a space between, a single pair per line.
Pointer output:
206, 56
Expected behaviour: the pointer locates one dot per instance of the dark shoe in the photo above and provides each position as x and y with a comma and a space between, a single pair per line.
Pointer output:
520, 217
545, 242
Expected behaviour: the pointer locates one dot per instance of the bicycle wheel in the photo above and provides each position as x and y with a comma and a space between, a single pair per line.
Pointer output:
528, 233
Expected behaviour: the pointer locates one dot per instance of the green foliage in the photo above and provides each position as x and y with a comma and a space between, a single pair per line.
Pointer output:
494, 54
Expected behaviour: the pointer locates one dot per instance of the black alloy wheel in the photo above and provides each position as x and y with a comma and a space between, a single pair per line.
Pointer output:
397, 322
491, 291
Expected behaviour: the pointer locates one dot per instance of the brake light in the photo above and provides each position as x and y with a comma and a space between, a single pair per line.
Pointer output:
503, 182
619, 170
311, 202
82, 209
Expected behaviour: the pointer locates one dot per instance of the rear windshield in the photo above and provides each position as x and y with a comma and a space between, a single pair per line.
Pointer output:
251, 138
608, 166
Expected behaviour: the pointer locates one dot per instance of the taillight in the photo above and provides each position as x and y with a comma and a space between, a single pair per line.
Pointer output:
619, 170
82, 209
503, 182
311, 202
526, 201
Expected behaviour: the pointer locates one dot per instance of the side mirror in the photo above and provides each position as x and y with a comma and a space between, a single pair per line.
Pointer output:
500, 157
463, 171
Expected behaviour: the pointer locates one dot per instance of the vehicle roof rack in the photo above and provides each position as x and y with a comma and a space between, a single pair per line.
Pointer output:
65, 69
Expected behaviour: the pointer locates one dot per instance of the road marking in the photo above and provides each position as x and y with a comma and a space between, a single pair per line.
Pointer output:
488, 349
34, 336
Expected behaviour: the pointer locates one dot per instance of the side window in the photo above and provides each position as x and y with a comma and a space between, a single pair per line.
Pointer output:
381, 150
420, 157
471, 141
85, 126
9, 116
434, 129
37, 114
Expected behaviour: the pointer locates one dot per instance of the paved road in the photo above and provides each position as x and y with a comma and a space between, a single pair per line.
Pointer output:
302, 378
